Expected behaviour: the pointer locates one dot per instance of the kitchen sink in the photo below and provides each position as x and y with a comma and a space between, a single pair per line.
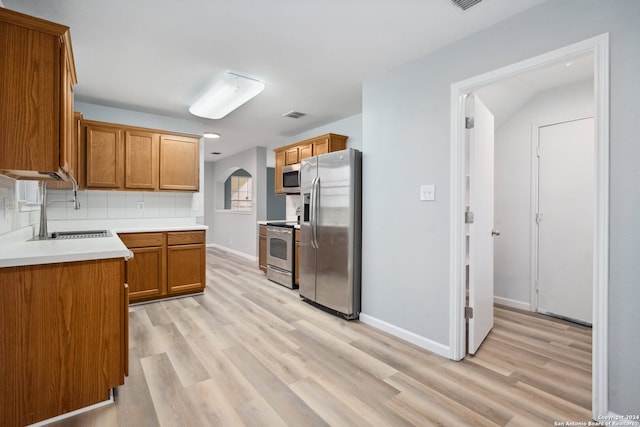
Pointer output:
68, 235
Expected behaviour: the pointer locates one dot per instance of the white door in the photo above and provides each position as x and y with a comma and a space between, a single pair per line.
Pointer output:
566, 198
480, 230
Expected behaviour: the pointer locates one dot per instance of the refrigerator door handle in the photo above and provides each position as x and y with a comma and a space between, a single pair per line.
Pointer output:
314, 211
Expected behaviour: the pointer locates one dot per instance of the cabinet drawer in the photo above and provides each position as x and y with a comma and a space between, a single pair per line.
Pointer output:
297, 234
141, 240
185, 237
263, 230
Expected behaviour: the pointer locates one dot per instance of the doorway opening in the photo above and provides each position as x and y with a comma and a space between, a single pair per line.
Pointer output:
598, 48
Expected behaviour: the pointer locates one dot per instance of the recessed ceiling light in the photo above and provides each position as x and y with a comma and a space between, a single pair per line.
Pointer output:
211, 135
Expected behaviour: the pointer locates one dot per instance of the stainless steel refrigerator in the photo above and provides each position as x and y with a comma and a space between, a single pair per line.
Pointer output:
330, 231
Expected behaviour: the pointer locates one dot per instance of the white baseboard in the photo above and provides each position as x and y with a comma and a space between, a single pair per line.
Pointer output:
521, 305
233, 251
411, 337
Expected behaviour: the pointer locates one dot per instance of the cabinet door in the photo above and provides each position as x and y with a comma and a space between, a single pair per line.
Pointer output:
105, 154
291, 156
61, 334
185, 268
29, 96
179, 163
76, 160
144, 273
279, 166
68, 152
321, 146
262, 248
305, 151
141, 160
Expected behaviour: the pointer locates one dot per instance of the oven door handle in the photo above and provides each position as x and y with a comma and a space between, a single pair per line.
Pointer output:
314, 211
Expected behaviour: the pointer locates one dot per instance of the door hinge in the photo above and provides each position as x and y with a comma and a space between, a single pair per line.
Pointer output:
468, 217
468, 312
469, 122
538, 218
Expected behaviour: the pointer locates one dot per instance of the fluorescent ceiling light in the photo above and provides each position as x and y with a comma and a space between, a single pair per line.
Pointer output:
225, 96
211, 135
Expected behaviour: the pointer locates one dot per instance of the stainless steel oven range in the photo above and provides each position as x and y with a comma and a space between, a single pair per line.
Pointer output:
280, 253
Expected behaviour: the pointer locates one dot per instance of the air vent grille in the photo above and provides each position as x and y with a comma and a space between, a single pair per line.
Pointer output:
216, 153
294, 114
465, 4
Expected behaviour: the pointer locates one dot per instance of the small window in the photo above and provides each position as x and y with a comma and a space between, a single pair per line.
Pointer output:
238, 191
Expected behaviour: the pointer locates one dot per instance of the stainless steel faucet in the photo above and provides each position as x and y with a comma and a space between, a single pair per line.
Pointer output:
44, 232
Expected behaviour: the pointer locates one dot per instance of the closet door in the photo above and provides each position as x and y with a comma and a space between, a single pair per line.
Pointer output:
566, 196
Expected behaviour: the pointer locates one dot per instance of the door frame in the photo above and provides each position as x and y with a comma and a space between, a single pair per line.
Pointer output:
599, 46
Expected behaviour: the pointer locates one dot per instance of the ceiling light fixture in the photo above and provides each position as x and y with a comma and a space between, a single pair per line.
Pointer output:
211, 135
225, 96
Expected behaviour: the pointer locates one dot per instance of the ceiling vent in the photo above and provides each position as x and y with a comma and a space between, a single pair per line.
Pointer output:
465, 4
216, 153
294, 114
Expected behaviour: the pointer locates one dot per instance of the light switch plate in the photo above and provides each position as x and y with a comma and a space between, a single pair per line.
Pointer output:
427, 192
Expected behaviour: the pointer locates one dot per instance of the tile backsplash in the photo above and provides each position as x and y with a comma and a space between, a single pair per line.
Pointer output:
93, 205
119, 205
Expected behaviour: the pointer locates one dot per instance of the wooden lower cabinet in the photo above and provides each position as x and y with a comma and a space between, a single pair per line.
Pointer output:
165, 264
297, 259
64, 335
262, 247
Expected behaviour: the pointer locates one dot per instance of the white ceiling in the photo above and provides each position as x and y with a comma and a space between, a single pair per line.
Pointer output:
158, 56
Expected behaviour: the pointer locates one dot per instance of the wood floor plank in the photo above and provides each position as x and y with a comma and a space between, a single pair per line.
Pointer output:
249, 352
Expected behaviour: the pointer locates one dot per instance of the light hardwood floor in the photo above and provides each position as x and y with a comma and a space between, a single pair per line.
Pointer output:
251, 353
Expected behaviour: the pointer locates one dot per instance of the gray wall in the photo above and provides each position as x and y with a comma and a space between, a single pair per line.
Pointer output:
236, 231
276, 203
406, 143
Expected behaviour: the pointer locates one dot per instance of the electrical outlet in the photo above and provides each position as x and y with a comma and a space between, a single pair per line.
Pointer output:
140, 206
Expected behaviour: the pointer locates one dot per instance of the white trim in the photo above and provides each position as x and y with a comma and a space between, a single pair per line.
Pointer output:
599, 45
420, 341
46, 422
520, 305
232, 251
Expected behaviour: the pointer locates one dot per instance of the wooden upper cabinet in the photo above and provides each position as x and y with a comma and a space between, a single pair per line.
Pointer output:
105, 156
179, 163
119, 157
305, 151
295, 153
75, 156
141, 160
291, 156
279, 165
36, 111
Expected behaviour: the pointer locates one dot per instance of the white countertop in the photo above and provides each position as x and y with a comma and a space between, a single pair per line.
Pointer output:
16, 249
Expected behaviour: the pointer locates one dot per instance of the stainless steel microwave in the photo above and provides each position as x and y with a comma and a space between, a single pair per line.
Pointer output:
291, 179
